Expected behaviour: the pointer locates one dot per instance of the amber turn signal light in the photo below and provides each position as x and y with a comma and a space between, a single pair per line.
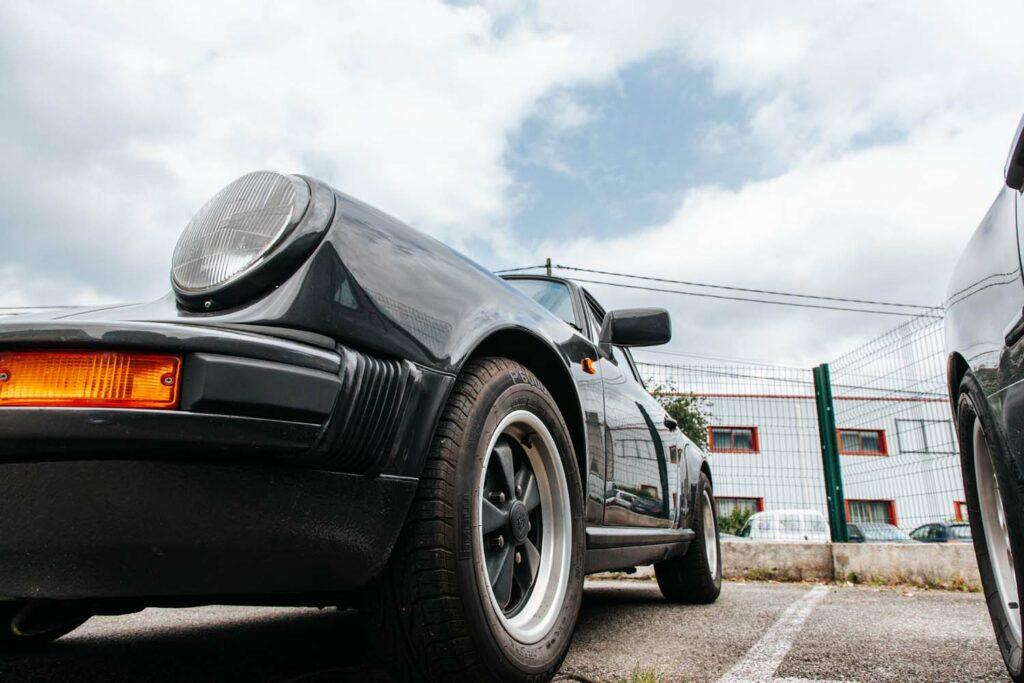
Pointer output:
109, 379
588, 366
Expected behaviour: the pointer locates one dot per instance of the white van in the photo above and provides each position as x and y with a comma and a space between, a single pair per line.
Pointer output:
786, 525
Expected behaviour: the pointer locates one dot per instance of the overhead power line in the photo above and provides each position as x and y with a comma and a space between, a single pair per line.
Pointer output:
904, 314
746, 289
867, 302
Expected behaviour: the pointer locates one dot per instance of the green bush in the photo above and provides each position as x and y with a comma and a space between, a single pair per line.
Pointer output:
734, 521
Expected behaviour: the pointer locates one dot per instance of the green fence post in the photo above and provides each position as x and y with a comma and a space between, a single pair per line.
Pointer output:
830, 454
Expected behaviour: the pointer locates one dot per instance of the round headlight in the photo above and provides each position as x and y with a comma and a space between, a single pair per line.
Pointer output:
236, 229
249, 238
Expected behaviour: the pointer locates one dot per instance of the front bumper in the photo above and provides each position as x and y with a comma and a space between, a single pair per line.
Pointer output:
124, 528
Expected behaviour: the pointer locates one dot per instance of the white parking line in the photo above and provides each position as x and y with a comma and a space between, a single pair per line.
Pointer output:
764, 658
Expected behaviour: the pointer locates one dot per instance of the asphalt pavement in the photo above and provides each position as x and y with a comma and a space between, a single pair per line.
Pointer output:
755, 632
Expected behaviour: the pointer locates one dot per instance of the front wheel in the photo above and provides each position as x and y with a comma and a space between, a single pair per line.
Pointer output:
486, 580
993, 498
696, 577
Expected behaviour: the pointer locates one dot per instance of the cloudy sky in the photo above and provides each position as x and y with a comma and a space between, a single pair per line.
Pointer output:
844, 149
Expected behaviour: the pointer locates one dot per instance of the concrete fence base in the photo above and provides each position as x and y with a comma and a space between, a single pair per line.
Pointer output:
949, 565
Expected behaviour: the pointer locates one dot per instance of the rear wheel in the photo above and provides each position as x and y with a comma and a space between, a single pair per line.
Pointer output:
696, 577
993, 495
486, 580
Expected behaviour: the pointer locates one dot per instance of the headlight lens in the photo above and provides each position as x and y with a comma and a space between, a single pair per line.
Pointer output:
236, 229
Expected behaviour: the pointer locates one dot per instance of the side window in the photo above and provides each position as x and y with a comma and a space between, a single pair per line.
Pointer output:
554, 296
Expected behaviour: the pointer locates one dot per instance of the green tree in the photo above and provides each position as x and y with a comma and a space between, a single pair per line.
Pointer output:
691, 412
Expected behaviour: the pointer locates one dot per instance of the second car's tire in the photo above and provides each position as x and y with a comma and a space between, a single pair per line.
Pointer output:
993, 492
12, 639
696, 577
486, 580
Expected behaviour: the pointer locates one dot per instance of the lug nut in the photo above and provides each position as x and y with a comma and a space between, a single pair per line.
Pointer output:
498, 542
519, 492
519, 557
498, 498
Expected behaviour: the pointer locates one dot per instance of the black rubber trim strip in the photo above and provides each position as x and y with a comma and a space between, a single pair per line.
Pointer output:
625, 537
227, 385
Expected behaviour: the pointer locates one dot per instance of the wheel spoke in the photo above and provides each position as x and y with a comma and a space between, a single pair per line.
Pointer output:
504, 454
531, 494
529, 565
491, 518
501, 575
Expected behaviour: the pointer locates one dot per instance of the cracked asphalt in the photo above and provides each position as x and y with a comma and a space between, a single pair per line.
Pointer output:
756, 631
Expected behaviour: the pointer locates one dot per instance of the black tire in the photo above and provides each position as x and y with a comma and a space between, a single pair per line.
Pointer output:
12, 641
972, 408
432, 608
689, 578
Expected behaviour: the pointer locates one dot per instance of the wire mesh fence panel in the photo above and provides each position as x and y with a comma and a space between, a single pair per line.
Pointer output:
898, 449
761, 429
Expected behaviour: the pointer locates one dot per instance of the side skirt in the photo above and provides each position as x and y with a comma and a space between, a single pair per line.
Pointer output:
610, 548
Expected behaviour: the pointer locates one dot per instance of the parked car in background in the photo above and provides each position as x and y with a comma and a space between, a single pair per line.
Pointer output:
328, 406
786, 525
876, 532
984, 322
942, 532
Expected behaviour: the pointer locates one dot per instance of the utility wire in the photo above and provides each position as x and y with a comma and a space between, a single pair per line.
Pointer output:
743, 289
868, 302
516, 270
757, 301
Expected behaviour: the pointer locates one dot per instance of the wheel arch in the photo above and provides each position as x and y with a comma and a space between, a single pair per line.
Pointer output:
956, 369
542, 360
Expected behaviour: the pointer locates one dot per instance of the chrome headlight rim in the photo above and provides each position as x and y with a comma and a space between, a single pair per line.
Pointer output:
277, 261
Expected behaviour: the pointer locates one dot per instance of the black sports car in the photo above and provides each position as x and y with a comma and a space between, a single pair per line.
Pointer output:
333, 408
985, 343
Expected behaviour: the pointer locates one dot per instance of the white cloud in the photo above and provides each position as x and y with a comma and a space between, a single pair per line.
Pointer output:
881, 128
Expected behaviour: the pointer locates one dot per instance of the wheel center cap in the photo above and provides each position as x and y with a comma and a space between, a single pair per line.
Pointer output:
519, 521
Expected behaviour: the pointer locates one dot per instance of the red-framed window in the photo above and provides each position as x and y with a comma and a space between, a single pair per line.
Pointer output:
723, 439
868, 510
960, 511
862, 442
727, 504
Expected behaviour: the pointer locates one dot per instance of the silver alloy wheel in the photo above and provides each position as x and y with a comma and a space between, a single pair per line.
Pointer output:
710, 537
524, 526
997, 537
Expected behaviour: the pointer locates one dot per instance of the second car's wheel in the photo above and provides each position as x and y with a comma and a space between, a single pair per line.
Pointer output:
696, 577
487, 577
25, 626
992, 488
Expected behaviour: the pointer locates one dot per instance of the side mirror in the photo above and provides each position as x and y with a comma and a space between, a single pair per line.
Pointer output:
1013, 172
636, 327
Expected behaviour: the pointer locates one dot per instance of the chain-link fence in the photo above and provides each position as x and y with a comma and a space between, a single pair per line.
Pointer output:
897, 449
762, 430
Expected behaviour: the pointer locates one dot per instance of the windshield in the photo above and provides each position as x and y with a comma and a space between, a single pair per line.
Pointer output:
553, 296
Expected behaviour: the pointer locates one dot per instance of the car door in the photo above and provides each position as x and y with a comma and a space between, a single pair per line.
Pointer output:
641, 459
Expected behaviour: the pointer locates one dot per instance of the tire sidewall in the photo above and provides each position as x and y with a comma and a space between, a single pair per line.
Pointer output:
716, 577
972, 406
513, 388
